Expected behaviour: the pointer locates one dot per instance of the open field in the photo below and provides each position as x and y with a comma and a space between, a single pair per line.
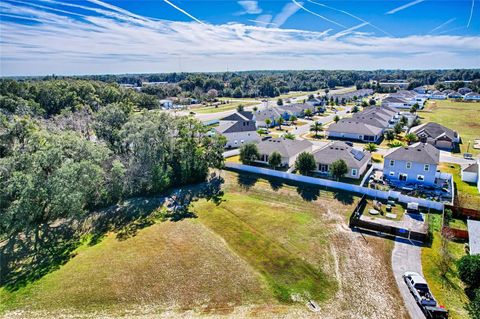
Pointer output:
263, 250
233, 104
460, 116
447, 290
467, 193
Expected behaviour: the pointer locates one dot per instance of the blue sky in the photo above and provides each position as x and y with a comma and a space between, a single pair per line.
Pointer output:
125, 36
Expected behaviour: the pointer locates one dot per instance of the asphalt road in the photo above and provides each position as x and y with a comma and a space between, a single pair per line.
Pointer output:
406, 256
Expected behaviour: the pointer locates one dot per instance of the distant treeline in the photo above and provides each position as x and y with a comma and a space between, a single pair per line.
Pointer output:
274, 83
70, 146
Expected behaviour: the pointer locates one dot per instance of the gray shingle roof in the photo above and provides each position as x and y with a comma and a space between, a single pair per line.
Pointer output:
238, 116
434, 130
286, 147
235, 126
354, 126
339, 150
418, 152
472, 168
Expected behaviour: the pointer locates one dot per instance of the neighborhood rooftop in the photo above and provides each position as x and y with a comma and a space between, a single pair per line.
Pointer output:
339, 150
286, 147
418, 152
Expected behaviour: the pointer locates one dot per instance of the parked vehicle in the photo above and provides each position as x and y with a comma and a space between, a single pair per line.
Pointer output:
424, 298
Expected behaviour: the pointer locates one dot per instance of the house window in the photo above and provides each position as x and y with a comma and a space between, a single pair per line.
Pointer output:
409, 165
354, 172
242, 141
236, 142
392, 162
402, 177
323, 168
392, 174
426, 167
420, 178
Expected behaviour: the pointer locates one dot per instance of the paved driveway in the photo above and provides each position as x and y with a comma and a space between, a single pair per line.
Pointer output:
406, 256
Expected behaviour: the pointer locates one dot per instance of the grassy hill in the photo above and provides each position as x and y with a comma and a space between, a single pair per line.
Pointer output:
263, 250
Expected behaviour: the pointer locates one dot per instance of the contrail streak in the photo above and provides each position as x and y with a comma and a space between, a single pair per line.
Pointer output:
351, 15
408, 5
184, 12
316, 14
471, 14
442, 25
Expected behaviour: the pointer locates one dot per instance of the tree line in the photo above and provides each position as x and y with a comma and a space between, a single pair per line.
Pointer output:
70, 146
273, 83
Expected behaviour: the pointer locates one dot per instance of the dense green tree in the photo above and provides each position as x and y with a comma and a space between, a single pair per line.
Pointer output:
249, 153
275, 160
338, 168
305, 163
469, 270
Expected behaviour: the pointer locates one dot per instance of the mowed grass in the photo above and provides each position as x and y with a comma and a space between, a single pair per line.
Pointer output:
265, 244
279, 234
170, 264
460, 116
467, 193
448, 291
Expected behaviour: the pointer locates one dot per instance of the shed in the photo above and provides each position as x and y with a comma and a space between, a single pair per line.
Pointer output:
474, 236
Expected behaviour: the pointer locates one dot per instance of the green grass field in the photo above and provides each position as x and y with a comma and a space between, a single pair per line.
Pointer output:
449, 290
223, 107
460, 116
266, 246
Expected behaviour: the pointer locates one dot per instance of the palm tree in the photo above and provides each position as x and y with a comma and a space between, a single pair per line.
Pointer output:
336, 118
280, 121
316, 127
389, 135
370, 147
410, 138
268, 122
293, 118
308, 113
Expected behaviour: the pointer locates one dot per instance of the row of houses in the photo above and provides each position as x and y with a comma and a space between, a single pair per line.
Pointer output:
404, 99
357, 160
462, 93
350, 95
368, 125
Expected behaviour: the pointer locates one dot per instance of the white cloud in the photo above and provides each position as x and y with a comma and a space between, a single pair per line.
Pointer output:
117, 42
250, 7
288, 10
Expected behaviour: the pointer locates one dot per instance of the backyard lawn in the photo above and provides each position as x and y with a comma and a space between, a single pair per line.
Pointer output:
467, 193
262, 250
447, 290
460, 116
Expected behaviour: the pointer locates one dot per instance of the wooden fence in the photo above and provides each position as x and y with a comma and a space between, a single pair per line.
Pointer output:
455, 233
